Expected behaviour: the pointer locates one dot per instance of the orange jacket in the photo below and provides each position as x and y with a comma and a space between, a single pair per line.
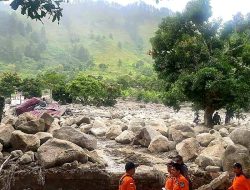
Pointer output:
127, 183
181, 183
240, 183
169, 183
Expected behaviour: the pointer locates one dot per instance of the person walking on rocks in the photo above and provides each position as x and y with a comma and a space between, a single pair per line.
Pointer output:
127, 182
170, 179
240, 181
184, 170
180, 182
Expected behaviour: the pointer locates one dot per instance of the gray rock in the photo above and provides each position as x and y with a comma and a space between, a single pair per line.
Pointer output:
98, 123
83, 119
32, 127
125, 137
145, 136
217, 182
218, 127
98, 132
48, 120
27, 158
135, 125
113, 132
188, 149
241, 136
205, 138
224, 132
54, 126
43, 136
159, 125
75, 136
16, 153
236, 153
180, 132
85, 128
5, 134
24, 142
24, 118
213, 169
213, 153
1, 147
56, 152
160, 144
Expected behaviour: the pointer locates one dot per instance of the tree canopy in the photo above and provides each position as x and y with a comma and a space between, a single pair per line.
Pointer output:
202, 61
39, 9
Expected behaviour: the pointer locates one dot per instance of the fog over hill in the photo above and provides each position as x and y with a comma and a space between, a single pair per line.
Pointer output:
97, 37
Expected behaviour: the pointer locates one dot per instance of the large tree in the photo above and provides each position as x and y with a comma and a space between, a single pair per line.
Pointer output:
204, 61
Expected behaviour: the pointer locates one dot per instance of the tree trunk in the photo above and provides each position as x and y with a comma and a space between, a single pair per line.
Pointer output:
2, 104
208, 116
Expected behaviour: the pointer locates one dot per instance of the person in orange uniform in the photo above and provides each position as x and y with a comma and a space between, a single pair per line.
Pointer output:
180, 182
170, 179
240, 181
127, 182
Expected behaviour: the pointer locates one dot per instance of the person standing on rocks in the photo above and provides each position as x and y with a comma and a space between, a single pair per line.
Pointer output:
184, 170
180, 182
240, 181
170, 179
127, 182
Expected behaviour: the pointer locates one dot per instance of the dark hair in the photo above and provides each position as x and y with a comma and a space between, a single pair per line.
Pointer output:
176, 166
129, 166
179, 158
237, 165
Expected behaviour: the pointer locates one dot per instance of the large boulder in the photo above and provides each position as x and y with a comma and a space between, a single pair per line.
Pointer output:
180, 132
82, 119
205, 138
125, 137
32, 127
200, 129
43, 136
161, 144
24, 142
145, 136
159, 125
98, 132
236, 153
99, 123
241, 136
223, 132
73, 135
48, 120
5, 134
217, 183
136, 125
56, 152
113, 132
188, 149
213, 154
24, 118
54, 126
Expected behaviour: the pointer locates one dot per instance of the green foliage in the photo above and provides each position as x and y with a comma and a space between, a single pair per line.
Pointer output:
203, 62
38, 9
52, 79
91, 91
9, 82
61, 94
31, 87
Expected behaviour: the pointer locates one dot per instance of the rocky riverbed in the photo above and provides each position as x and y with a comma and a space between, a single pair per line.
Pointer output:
88, 149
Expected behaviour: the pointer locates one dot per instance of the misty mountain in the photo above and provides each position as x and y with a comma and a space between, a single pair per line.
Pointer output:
93, 36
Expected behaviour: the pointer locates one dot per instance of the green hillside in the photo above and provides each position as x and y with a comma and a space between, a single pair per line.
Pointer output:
95, 37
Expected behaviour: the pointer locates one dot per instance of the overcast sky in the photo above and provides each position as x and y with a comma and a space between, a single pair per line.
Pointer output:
221, 8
